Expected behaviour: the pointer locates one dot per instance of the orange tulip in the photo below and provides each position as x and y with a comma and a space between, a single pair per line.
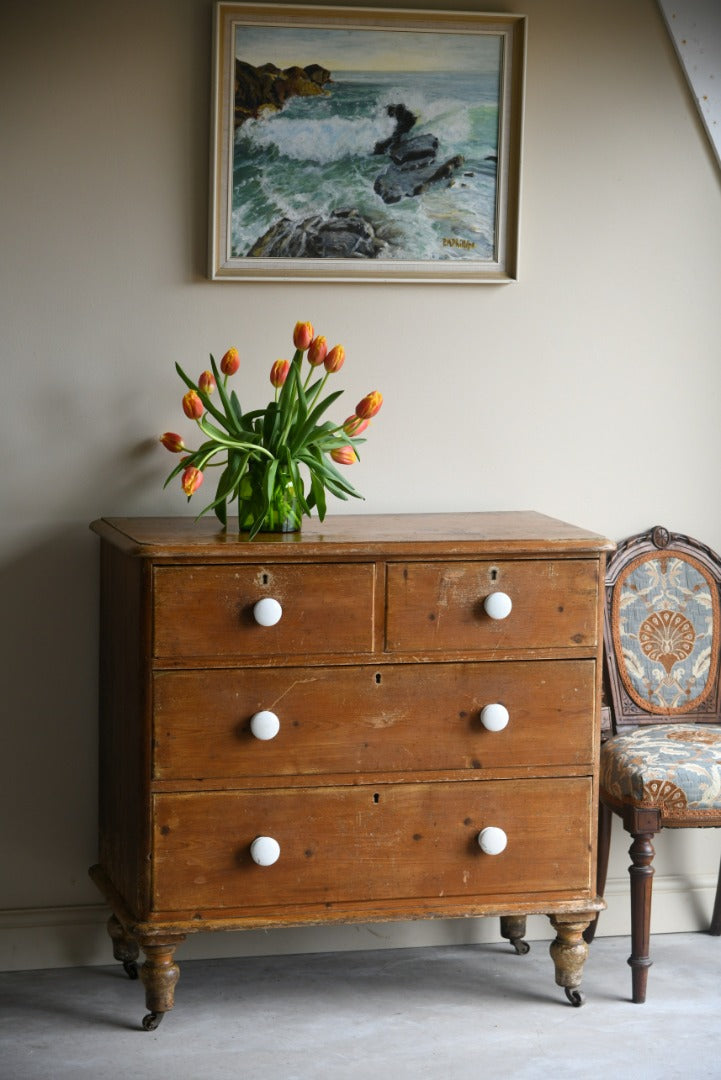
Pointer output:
317, 351
368, 406
192, 405
206, 382
354, 425
172, 442
335, 359
230, 362
302, 335
191, 480
344, 455
279, 372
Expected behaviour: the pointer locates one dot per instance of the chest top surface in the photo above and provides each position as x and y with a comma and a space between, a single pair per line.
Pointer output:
423, 535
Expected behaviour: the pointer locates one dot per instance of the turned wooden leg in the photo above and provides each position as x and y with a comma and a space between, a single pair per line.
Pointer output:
605, 821
569, 952
159, 975
513, 929
641, 873
125, 947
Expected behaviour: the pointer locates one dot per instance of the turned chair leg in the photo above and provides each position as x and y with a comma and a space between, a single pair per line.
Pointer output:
605, 820
715, 927
641, 873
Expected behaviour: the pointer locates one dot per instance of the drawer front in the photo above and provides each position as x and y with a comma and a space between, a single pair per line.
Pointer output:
353, 844
207, 611
440, 606
397, 717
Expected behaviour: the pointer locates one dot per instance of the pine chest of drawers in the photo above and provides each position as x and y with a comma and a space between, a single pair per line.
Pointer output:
376, 718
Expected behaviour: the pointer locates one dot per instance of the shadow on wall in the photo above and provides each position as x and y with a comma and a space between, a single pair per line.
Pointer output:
49, 731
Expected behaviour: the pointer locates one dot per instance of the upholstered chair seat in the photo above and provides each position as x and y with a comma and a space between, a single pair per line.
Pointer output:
672, 769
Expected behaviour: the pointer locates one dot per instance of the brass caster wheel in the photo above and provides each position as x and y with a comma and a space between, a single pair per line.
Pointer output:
130, 968
522, 947
576, 998
151, 1021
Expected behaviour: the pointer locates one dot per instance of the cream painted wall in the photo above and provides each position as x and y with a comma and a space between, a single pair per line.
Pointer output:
589, 390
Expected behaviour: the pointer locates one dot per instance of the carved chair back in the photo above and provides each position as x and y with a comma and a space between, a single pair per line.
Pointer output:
662, 631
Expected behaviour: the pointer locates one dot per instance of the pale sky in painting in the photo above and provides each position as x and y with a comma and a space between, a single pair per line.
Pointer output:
368, 50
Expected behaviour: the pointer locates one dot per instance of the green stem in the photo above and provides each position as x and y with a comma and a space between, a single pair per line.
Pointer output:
318, 392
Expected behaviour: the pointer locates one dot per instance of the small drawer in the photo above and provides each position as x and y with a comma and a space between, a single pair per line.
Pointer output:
209, 611
443, 606
355, 844
390, 718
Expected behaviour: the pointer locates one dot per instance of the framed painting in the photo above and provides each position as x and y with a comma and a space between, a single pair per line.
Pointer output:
365, 144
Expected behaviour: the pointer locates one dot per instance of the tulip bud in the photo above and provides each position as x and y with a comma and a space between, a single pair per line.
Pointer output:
335, 359
279, 372
230, 362
192, 405
172, 442
302, 335
354, 425
344, 455
206, 382
191, 480
317, 351
369, 405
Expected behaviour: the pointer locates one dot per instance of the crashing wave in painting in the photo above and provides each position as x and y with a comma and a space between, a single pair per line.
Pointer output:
316, 156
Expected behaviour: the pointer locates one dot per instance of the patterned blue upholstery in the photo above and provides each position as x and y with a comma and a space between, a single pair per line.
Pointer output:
665, 621
675, 768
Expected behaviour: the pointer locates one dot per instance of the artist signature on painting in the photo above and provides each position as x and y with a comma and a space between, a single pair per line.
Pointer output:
453, 241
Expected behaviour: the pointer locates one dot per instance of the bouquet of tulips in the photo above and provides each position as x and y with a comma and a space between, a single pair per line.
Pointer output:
261, 452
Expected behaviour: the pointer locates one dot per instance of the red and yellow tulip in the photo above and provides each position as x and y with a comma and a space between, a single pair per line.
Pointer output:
230, 362
370, 405
192, 405
335, 359
303, 335
191, 480
344, 455
279, 372
173, 442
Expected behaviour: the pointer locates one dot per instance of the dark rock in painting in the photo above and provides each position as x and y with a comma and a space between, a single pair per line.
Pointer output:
345, 234
413, 167
404, 122
267, 88
405, 181
416, 152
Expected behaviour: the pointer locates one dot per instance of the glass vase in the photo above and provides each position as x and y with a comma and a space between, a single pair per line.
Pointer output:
283, 513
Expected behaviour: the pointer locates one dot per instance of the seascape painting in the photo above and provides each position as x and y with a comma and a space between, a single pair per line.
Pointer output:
360, 146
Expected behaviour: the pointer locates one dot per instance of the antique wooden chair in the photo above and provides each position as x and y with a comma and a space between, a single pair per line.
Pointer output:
661, 767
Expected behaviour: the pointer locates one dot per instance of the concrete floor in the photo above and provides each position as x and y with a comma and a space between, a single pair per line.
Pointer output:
442, 1013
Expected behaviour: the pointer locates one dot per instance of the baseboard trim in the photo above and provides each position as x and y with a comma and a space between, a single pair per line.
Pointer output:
34, 938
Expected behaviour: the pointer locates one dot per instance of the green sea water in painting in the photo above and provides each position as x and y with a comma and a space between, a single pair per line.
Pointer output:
316, 156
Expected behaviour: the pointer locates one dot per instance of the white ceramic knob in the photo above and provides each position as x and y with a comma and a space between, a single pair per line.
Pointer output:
492, 840
267, 612
265, 850
265, 725
494, 717
498, 605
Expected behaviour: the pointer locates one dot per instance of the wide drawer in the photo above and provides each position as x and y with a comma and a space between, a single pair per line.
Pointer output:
388, 718
350, 844
207, 611
440, 606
